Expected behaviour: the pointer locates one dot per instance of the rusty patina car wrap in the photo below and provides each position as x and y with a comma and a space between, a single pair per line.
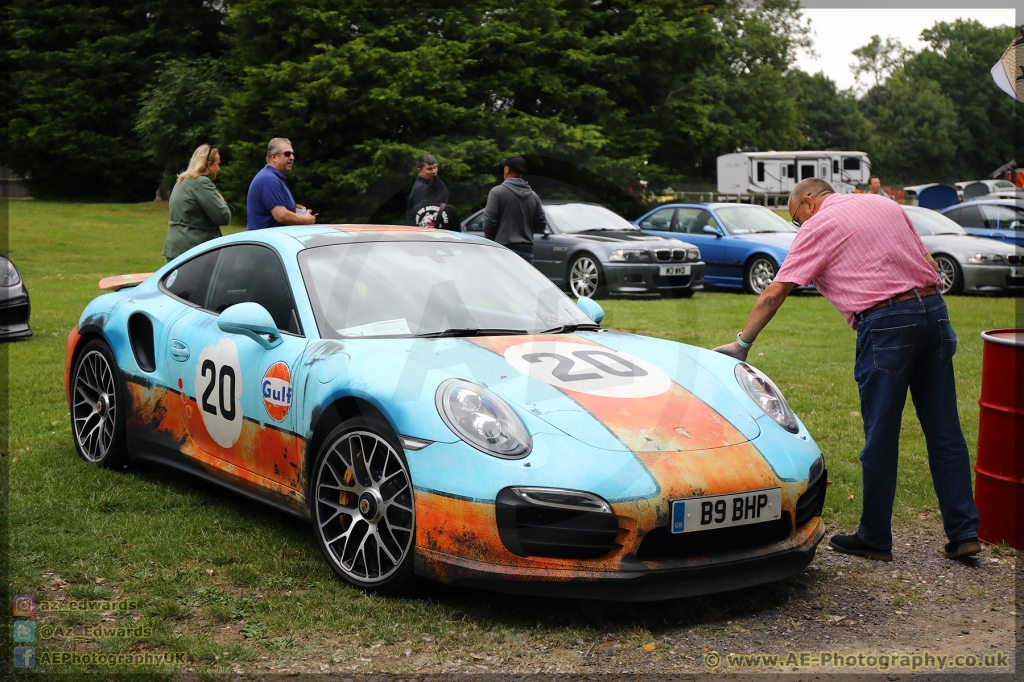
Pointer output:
631, 424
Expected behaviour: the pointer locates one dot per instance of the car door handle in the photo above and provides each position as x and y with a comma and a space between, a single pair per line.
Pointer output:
179, 351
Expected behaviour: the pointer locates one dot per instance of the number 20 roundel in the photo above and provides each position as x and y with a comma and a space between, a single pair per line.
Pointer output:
586, 368
219, 392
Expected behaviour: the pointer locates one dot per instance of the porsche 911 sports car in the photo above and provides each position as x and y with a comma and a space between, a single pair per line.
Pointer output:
434, 405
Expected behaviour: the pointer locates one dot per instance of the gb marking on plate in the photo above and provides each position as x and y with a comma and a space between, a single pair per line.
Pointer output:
590, 369
277, 391
219, 392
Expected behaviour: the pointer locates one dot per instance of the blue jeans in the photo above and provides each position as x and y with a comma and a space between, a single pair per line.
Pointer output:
911, 345
527, 255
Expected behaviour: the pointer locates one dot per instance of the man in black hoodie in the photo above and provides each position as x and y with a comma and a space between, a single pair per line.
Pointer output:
513, 212
426, 170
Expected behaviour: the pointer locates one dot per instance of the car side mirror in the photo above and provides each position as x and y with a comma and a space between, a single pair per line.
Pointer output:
251, 320
591, 308
712, 230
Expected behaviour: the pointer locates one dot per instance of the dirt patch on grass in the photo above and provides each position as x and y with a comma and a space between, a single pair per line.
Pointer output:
851, 611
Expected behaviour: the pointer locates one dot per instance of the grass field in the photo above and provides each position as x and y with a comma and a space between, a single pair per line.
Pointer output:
234, 585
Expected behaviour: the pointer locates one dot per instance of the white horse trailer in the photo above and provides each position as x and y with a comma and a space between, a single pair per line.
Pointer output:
779, 172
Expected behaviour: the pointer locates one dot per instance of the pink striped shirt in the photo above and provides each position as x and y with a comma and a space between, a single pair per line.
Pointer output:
859, 250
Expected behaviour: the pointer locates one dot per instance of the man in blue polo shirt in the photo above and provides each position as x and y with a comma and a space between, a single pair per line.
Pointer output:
270, 202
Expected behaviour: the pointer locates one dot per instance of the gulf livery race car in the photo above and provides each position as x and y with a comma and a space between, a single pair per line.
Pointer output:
434, 405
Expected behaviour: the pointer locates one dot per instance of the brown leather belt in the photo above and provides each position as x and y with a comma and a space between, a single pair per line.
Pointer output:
905, 296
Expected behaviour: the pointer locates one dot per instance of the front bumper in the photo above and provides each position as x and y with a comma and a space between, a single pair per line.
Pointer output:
636, 581
14, 316
990, 277
646, 278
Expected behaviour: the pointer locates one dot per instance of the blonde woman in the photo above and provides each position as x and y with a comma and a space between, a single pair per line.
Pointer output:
197, 210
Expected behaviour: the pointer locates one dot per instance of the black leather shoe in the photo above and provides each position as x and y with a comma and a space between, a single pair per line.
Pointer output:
851, 544
962, 548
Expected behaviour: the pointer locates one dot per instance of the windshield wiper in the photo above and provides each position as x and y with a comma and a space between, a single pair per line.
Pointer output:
570, 328
471, 331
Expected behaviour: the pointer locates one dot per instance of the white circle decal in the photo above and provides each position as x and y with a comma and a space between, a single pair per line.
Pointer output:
219, 392
584, 368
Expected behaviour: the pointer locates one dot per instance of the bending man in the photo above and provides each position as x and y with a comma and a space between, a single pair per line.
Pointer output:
864, 256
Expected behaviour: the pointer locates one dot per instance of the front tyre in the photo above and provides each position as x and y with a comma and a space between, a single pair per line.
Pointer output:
760, 272
364, 513
950, 274
585, 277
98, 406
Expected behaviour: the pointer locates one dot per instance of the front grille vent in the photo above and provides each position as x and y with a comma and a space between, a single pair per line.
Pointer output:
660, 544
679, 254
541, 531
663, 254
812, 501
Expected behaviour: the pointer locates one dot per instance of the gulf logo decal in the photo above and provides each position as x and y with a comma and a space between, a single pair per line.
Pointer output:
277, 391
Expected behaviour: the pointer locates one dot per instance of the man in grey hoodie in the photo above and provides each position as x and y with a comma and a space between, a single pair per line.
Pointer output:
513, 212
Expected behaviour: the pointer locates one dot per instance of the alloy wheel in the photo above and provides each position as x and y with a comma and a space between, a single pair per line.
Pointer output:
762, 273
365, 510
584, 277
94, 406
947, 273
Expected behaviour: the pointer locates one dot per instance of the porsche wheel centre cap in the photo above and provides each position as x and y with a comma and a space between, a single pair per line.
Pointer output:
103, 406
369, 505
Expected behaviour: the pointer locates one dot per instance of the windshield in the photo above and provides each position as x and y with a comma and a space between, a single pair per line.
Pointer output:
414, 288
752, 219
583, 217
928, 222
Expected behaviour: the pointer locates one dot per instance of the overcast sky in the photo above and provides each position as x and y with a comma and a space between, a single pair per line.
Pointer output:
837, 32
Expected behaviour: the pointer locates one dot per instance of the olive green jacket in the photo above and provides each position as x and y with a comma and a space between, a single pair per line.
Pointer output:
196, 213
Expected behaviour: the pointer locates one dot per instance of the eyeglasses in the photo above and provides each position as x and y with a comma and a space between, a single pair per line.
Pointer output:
795, 221
286, 154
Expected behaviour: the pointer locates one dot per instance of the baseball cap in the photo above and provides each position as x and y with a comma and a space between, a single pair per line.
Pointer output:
516, 163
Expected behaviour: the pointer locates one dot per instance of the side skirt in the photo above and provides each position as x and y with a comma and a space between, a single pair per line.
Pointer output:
165, 461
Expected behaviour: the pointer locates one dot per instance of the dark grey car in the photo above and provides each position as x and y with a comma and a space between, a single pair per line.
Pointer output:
14, 304
592, 251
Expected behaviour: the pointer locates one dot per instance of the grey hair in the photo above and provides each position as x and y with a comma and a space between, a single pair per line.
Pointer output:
811, 187
425, 160
274, 146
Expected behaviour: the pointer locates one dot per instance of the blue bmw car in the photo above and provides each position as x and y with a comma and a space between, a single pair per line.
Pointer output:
991, 218
742, 245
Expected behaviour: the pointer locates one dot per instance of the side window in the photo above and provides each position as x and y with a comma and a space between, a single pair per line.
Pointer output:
249, 272
807, 171
659, 220
689, 220
190, 280
1000, 217
970, 216
851, 164
954, 215
475, 224
835, 166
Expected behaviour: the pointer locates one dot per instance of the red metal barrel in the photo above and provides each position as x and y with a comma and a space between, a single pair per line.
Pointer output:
999, 484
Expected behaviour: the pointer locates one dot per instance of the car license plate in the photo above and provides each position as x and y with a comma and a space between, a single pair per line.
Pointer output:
1016, 272
724, 511
672, 270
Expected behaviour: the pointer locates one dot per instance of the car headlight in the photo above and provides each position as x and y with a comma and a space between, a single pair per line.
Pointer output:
986, 259
8, 273
767, 395
629, 255
693, 254
482, 419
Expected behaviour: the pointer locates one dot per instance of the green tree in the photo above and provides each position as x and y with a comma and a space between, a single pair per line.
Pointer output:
754, 99
914, 133
830, 118
76, 73
177, 113
880, 60
362, 87
958, 60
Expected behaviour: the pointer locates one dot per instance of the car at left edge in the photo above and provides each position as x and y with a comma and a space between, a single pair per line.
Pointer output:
15, 307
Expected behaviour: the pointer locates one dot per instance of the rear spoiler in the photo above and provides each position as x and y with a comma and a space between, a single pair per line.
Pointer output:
123, 281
